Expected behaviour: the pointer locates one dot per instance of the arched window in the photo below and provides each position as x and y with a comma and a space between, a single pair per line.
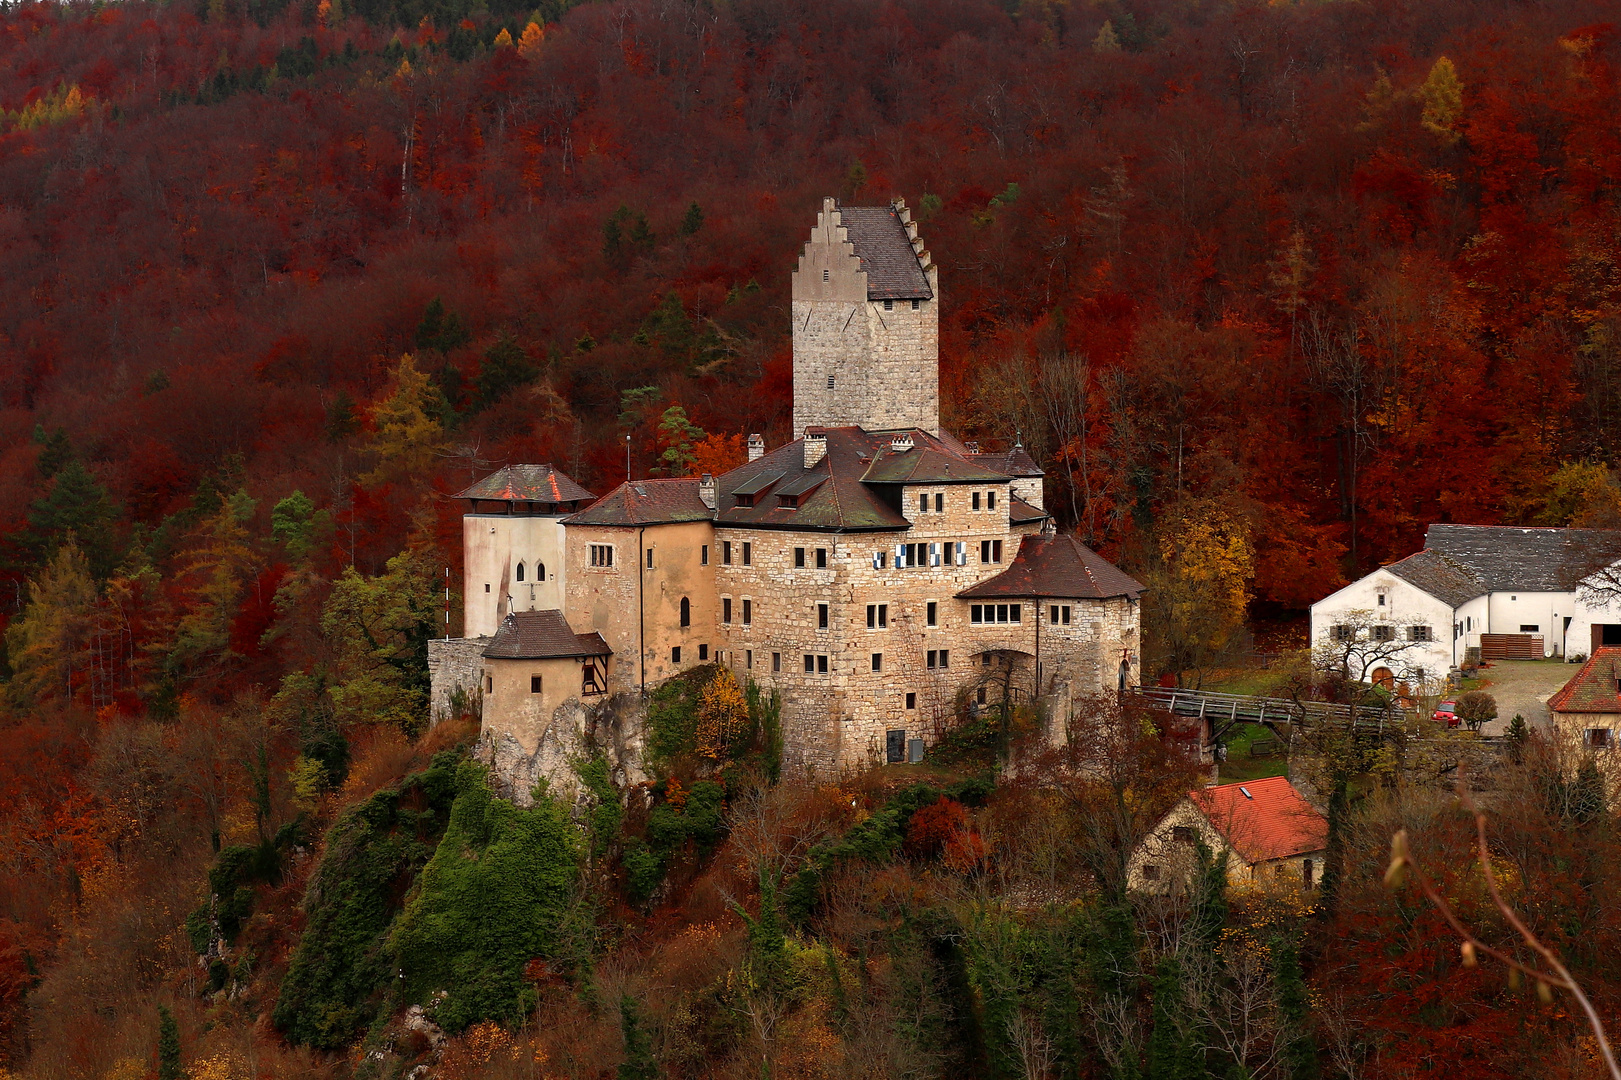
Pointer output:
520, 571
686, 612
540, 571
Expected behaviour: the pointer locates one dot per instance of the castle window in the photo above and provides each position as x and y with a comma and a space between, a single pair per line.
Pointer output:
686, 612
889, 305
540, 571
534, 684
880, 559
933, 613
810, 664
602, 555
489, 684
748, 659
675, 654
703, 652
830, 382
821, 616
748, 553
815, 664
824, 275
776, 661
520, 571
878, 661
486, 586
1060, 614
916, 304
974, 501
911, 701
799, 557
726, 552
590, 680
980, 614
748, 612
821, 558
990, 551
726, 609
923, 503
877, 616
939, 502
650, 558
939, 658
990, 500
962, 553
703, 555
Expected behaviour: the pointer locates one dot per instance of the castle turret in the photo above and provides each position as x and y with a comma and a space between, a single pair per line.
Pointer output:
512, 544
866, 323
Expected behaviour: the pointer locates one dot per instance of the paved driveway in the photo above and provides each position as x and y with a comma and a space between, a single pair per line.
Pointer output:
1523, 686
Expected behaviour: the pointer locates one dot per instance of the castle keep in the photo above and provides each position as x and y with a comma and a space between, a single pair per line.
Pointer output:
876, 572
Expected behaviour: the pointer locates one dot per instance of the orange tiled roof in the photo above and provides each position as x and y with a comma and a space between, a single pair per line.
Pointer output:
1594, 688
1263, 819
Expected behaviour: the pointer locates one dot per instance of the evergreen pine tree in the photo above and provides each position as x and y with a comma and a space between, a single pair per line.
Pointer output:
694, 219
1173, 1052
168, 1046
1289, 984
639, 1063
56, 450
76, 503
1209, 912
1339, 804
506, 368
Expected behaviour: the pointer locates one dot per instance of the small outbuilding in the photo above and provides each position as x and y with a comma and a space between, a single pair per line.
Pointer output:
1588, 707
535, 664
1266, 828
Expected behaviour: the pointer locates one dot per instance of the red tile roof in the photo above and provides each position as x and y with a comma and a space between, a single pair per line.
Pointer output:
646, 502
526, 483
1057, 566
1593, 688
1263, 819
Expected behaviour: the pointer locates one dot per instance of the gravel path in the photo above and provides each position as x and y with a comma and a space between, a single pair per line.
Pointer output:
1523, 686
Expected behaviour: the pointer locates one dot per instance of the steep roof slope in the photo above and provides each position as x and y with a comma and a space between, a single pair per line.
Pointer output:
1057, 566
1441, 576
1596, 688
542, 635
1263, 819
880, 241
645, 502
526, 483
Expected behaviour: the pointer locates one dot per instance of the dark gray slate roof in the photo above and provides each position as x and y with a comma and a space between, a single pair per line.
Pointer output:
542, 635
885, 251
1443, 578
1506, 558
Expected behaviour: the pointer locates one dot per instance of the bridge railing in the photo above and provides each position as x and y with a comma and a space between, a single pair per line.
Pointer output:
1215, 707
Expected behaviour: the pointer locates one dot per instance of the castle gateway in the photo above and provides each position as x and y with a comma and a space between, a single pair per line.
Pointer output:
878, 573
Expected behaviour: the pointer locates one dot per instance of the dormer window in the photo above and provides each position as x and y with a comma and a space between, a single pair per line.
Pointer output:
745, 500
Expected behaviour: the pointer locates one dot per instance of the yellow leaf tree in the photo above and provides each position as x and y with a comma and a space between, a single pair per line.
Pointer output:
406, 435
1199, 588
1442, 94
44, 643
529, 41
723, 714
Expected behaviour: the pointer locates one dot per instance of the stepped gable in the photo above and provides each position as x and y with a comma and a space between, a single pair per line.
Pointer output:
1596, 688
1441, 576
1060, 567
1507, 558
646, 502
845, 491
1263, 819
887, 256
542, 635
526, 483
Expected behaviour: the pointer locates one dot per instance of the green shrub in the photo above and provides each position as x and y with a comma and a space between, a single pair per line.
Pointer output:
494, 896
341, 970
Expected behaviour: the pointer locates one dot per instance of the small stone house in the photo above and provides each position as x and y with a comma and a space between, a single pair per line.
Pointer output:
1588, 707
537, 669
1268, 830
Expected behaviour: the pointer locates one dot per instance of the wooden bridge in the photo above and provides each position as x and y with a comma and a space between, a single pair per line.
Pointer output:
1220, 713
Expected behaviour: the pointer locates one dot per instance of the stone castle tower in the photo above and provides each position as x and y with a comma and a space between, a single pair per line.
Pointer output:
866, 323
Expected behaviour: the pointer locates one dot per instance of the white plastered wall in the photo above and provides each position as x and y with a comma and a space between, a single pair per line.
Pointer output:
1404, 603
493, 546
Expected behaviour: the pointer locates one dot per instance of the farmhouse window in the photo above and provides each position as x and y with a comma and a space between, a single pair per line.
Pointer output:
1599, 738
1420, 633
1384, 633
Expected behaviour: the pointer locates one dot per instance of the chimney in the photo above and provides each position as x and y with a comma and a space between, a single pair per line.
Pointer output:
706, 490
900, 443
815, 446
756, 447
971, 446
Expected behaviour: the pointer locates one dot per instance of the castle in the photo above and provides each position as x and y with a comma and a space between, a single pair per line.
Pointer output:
876, 572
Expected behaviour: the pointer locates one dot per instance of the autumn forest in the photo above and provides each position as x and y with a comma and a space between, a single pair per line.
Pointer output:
1265, 288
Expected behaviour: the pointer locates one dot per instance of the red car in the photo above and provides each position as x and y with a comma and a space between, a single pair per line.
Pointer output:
1447, 711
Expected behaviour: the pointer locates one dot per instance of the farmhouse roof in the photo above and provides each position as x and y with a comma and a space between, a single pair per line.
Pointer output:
542, 635
646, 502
526, 483
1263, 819
1507, 558
1442, 577
1593, 689
1056, 566
886, 253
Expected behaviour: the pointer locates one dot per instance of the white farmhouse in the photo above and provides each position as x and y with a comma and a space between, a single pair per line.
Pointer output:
1509, 591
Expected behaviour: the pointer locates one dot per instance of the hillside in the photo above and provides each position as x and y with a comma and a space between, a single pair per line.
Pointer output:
1265, 288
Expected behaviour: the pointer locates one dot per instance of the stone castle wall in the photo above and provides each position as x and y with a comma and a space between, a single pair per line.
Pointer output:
454, 663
